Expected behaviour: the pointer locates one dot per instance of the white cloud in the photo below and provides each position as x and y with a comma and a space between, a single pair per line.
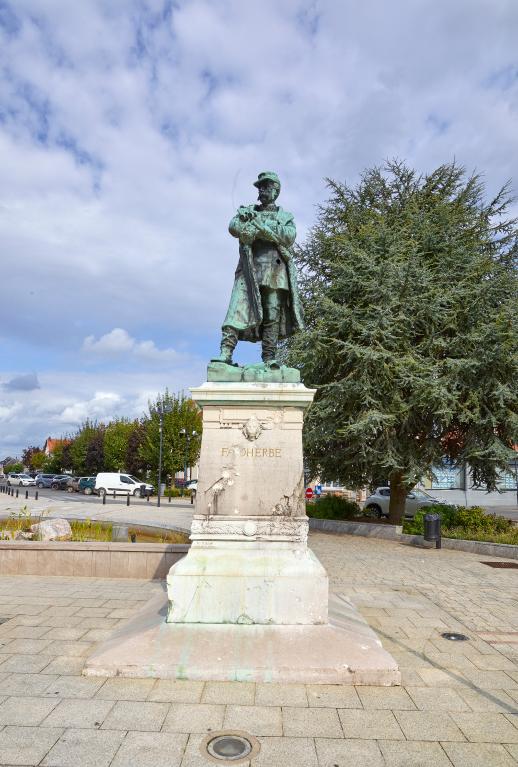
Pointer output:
118, 342
130, 131
102, 406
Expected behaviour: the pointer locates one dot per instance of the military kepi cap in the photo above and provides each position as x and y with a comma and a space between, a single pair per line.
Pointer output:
267, 175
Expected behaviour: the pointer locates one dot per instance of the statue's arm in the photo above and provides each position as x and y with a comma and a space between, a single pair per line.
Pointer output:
282, 233
236, 226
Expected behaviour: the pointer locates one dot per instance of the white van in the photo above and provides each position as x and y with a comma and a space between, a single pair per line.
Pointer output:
111, 482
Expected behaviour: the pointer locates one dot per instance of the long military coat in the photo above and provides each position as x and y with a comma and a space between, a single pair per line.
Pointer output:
245, 313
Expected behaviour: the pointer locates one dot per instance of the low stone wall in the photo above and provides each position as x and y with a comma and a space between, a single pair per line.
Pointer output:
367, 529
93, 560
394, 533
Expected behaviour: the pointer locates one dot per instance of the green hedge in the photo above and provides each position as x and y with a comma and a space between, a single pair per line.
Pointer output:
471, 523
176, 492
333, 507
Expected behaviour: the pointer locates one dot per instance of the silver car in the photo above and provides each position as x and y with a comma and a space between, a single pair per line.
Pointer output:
22, 480
377, 504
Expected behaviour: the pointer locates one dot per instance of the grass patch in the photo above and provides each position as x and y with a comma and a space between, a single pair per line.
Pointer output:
84, 530
89, 530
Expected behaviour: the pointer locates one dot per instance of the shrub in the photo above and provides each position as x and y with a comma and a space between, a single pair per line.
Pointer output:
472, 523
176, 492
333, 507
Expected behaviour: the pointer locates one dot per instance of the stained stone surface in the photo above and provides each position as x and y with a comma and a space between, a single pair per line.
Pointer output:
249, 562
343, 651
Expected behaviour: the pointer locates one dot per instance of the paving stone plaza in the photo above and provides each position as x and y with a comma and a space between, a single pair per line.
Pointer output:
457, 705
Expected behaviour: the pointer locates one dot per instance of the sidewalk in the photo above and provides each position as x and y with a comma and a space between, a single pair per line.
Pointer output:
176, 515
458, 704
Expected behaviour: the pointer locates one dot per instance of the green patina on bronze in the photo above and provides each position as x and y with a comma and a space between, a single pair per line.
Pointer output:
264, 304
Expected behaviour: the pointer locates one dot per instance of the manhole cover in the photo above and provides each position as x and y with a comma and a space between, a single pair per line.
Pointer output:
230, 747
454, 637
502, 565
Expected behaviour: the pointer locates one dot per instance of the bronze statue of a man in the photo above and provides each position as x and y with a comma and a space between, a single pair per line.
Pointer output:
265, 304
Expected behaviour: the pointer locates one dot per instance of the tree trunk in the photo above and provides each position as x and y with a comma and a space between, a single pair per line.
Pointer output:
398, 492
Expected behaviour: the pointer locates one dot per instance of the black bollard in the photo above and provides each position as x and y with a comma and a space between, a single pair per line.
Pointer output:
147, 496
169, 499
26, 494
104, 499
114, 495
127, 500
36, 496
17, 491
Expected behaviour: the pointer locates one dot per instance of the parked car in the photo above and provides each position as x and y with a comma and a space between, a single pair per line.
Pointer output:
22, 480
73, 484
60, 481
44, 480
378, 502
112, 482
192, 485
86, 485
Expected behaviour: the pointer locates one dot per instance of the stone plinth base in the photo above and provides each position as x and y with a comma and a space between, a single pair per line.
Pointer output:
254, 583
344, 651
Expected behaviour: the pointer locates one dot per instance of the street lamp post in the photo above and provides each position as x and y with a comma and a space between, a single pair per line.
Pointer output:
188, 438
162, 409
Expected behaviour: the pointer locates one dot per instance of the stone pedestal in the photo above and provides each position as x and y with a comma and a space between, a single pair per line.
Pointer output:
250, 600
249, 562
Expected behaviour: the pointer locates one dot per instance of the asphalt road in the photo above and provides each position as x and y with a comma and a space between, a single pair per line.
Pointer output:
120, 500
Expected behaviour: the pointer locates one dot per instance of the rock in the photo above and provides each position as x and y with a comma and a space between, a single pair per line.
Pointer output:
22, 535
52, 530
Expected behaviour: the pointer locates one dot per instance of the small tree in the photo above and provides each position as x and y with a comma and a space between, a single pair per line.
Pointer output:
33, 458
116, 440
181, 413
14, 468
410, 292
135, 463
54, 462
86, 457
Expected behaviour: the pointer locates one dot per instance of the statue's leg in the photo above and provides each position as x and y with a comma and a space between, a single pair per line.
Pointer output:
271, 301
228, 344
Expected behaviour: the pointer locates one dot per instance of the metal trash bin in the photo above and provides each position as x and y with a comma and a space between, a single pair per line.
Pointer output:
432, 529
142, 491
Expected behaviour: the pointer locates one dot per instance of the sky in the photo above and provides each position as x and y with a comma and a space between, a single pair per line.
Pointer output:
130, 131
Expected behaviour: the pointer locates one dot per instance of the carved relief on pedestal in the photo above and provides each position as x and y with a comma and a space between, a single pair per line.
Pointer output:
252, 424
281, 528
252, 429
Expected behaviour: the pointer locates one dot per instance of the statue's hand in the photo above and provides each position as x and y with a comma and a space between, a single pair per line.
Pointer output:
247, 235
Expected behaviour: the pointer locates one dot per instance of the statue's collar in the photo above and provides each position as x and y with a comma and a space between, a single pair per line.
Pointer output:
271, 207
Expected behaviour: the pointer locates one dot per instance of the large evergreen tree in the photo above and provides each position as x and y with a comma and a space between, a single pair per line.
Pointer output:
410, 291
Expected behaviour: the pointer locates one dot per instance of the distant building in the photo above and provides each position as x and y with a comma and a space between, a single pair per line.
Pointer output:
7, 462
51, 444
454, 483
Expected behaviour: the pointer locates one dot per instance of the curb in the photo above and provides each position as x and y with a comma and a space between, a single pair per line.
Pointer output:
394, 533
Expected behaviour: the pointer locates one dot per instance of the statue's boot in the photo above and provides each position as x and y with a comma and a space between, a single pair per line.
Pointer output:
228, 344
270, 329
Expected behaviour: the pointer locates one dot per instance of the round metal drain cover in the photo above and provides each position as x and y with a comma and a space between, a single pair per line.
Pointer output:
453, 637
229, 747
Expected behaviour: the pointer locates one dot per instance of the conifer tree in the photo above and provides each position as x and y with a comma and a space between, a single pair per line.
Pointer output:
410, 293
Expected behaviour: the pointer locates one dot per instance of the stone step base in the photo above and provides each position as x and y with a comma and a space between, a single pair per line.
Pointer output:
252, 584
345, 651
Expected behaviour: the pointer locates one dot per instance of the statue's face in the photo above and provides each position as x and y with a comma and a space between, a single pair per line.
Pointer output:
268, 192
